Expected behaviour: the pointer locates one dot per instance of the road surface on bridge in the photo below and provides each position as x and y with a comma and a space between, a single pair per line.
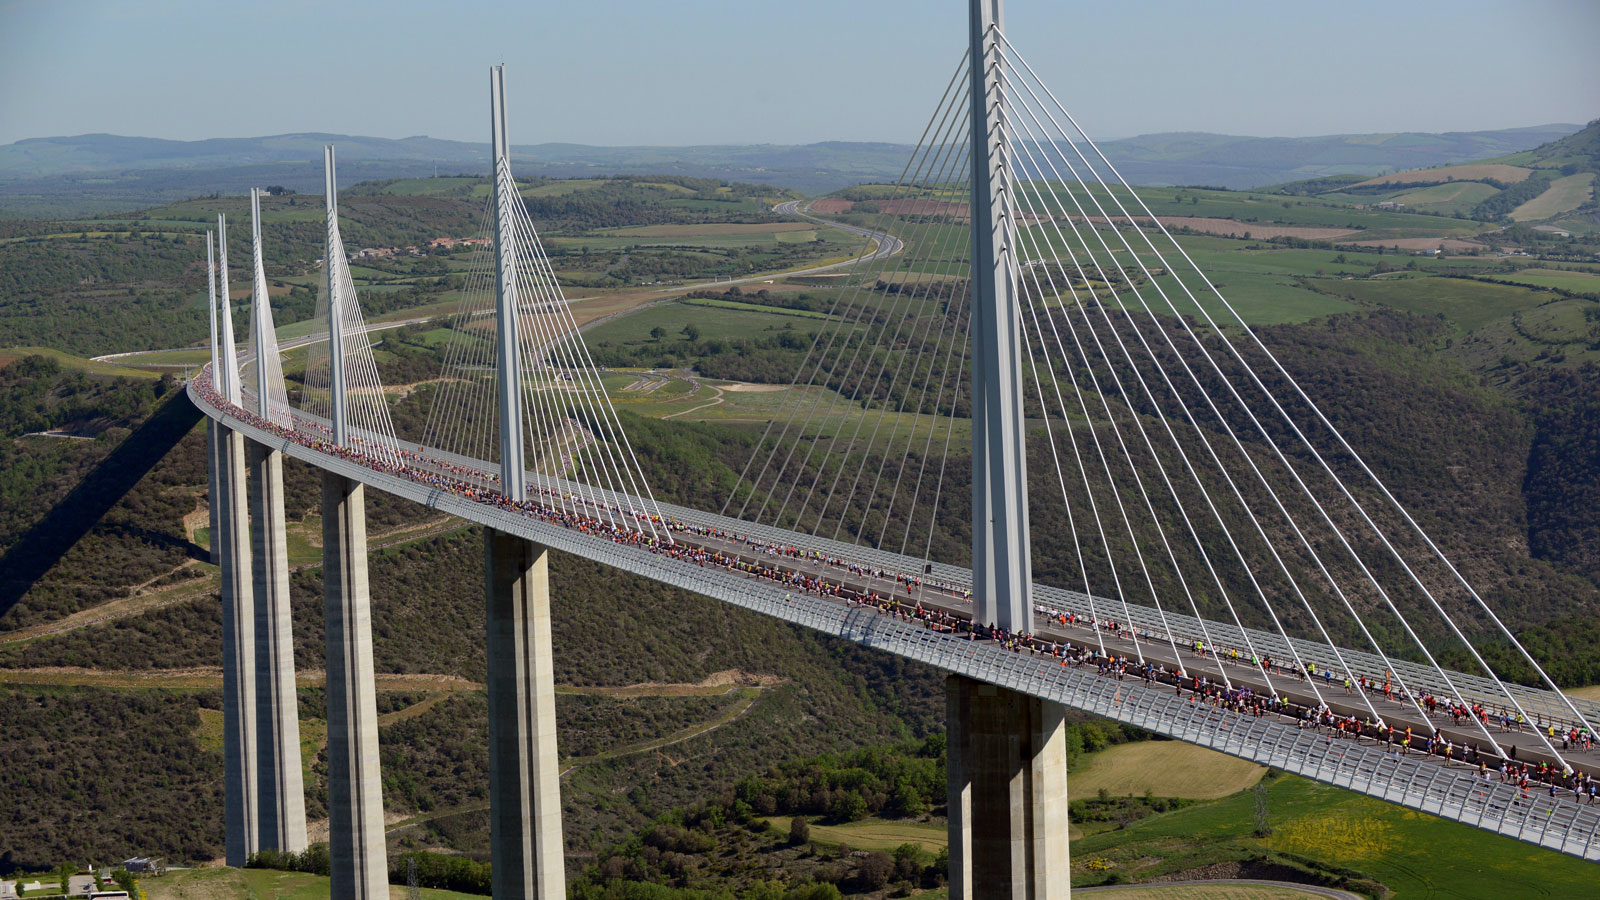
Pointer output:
1396, 712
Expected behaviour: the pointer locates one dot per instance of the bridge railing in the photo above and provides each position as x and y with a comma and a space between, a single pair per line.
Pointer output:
1184, 629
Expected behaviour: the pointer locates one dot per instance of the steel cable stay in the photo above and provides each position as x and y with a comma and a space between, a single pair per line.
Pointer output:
1194, 475
916, 290
936, 160
1348, 671
532, 346
794, 385
609, 421
453, 412
1061, 480
957, 311
949, 380
1072, 290
549, 458
462, 418
565, 407
839, 316
272, 402
1082, 242
482, 429
939, 340
370, 399
919, 287
906, 299
903, 301
1067, 363
1321, 417
1401, 618
561, 402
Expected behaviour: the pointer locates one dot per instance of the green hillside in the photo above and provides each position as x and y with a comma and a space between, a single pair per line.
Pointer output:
1579, 152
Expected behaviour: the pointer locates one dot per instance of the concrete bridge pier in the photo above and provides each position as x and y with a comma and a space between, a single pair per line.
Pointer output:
232, 540
1007, 779
526, 849
281, 787
357, 854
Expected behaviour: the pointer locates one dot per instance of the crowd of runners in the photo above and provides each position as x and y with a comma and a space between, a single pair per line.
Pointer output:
762, 560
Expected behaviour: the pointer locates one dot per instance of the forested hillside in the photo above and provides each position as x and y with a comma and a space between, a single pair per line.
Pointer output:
1467, 378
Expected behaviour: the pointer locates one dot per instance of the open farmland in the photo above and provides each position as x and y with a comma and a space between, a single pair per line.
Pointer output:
1164, 768
1457, 196
1476, 172
1563, 195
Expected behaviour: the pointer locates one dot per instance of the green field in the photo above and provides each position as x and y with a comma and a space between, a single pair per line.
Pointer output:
69, 361
754, 307
1577, 282
874, 834
257, 884
725, 323
1460, 196
1470, 305
1165, 769
1414, 854
1563, 195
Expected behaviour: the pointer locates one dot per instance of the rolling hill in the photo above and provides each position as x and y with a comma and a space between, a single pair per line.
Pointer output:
99, 173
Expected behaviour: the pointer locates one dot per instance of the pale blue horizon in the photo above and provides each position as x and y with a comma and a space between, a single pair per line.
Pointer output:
625, 72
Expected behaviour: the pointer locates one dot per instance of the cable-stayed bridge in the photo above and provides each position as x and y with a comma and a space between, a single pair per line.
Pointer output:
1042, 380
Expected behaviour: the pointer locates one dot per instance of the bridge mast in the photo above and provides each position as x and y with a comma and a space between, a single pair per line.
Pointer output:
229, 386
1002, 573
335, 302
258, 300
211, 306
1007, 767
508, 371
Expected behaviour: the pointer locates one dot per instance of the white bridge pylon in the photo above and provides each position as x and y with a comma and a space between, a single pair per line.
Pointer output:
272, 399
343, 397
518, 384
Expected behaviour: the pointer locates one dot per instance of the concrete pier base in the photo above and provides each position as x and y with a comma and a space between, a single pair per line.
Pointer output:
524, 782
239, 738
358, 858
1007, 771
281, 787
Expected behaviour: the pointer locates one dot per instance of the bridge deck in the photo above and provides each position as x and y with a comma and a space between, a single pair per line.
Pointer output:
1424, 783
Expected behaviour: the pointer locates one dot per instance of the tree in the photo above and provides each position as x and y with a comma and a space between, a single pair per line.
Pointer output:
691, 331
657, 333
64, 873
848, 806
874, 872
799, 830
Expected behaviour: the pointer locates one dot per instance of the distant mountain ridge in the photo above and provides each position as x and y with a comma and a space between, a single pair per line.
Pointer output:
114, 171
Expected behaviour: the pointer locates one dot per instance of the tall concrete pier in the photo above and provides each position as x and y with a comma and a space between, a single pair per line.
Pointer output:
1006, 767
524, 779
281, 787
240, 805
357, 854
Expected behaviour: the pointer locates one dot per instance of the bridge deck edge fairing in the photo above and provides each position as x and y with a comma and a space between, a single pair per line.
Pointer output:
1454, 793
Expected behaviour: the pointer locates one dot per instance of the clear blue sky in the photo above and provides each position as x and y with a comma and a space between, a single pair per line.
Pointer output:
780, 71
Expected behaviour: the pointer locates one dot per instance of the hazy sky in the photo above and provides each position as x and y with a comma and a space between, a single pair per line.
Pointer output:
780, 71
